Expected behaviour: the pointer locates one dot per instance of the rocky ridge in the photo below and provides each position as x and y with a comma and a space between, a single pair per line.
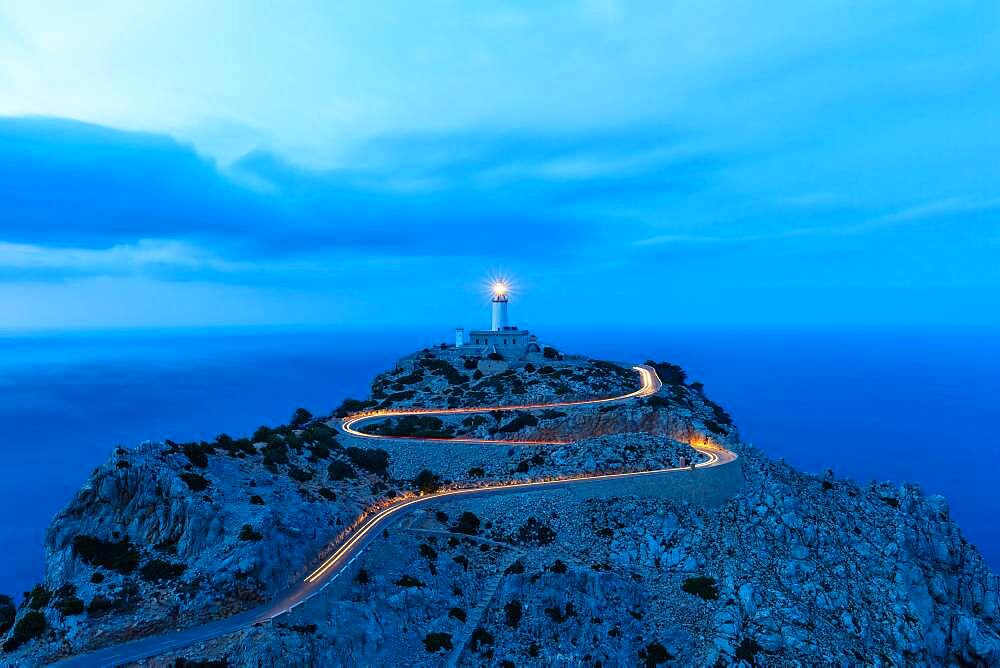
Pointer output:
794, 569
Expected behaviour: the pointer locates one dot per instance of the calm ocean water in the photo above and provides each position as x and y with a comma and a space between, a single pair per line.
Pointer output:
888, 405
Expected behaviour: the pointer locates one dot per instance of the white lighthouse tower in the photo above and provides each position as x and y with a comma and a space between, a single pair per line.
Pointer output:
512, 344
499, 307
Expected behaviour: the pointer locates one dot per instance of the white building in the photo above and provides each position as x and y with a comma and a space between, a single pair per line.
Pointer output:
503, 339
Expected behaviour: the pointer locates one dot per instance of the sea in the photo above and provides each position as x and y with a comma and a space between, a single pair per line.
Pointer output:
900, 405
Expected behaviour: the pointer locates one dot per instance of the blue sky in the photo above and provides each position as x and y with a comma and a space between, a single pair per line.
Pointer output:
627, 163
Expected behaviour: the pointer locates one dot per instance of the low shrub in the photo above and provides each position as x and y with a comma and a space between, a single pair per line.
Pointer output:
427, 482
69, 606
29, 627
158, 569
353, 406
467, 523
558, 566
8, 612
550, 353
476, 472
372, 460
340, 470
519, 422
300, 417
120, 556
458, 613
408, 581
99, 605
327, 493
299, 475
701, 586
481, 637
247, 532
257, 500
435, 642
535, 533
195, 454
513, 611
747, 650
38, 597
195, 482
655, 654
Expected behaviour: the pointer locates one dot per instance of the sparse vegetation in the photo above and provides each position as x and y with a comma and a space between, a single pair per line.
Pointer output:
654, 655
435, 642
351, 406
513, 613
257, 500
300, 417
340, 470
29, 627
476, 472
38, 597
195, 482
458, 613
427, 482
480, 637
99, 605
747, 650
670, 374
372, 460
7, 613
550, 353
535, 533
70, 606
520, 421
120, 556
701, 586
158, 569
467, 523
195, 454
327, 493
408, 581
248, 533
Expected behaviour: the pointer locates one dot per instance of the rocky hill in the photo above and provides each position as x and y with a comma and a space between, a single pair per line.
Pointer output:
791, 569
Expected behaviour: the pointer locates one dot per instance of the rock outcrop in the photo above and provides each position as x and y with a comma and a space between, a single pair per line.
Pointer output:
793, 569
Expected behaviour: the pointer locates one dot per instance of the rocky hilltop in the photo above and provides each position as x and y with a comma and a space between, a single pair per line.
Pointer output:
784, 568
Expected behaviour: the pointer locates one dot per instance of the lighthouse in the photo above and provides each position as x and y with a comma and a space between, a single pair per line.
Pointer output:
499, 306
502, 343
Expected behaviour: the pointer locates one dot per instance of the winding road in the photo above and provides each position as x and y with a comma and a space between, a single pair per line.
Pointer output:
368, 527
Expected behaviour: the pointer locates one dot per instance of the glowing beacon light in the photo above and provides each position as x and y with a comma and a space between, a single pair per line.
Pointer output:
500, 289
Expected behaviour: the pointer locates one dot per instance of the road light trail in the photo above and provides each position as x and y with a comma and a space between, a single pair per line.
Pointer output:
364, 532
651, 384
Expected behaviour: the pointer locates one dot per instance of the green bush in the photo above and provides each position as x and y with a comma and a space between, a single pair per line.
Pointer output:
550, 353
467, 523
535, 533
257, 500
29, 627
747, 650
670, 374
408, 581
69, 606
299, 475
519, 422
353, 406
459, 614
248, 533
158, 569
655, 654
195, 454
187, 663
701, 586
8, 611
435, 642
513, 611
275, 452
300, 417
120, 556
480, 637
327, 494
476, 472
38, 597
195, 482
372, 460
340, 470
99, 605
427, 482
